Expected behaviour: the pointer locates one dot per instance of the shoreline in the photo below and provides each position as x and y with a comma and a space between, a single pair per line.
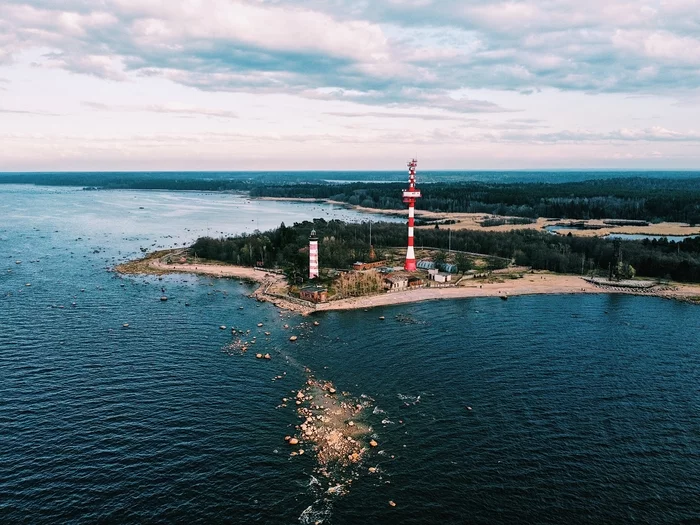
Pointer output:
272, 286
469, 221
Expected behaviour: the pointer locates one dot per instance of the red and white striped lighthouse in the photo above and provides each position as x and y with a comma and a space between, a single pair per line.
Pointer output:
409, 196
313, 255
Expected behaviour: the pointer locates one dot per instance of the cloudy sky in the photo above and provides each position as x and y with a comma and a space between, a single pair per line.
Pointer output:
349, 84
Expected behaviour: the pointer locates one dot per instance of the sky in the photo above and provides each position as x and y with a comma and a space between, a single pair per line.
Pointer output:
349, 84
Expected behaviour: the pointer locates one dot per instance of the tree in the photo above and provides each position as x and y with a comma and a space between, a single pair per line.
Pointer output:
464, 263
440, 258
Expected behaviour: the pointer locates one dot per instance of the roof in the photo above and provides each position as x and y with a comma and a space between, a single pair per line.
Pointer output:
314, 289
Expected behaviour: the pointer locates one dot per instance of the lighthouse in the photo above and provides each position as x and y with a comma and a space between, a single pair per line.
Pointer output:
313, 255
409, 197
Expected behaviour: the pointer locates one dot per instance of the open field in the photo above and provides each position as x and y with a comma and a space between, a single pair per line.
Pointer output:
471, 221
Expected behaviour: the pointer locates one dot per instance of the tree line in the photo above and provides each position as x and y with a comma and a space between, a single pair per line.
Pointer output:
638, 198
641, 198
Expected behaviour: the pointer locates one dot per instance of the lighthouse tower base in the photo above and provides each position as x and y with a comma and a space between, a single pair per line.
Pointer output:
410, 264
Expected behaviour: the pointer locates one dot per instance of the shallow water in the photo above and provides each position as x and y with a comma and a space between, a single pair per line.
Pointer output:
583, 408
641, 237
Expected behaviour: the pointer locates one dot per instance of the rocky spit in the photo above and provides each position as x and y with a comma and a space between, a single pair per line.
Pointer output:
331, 424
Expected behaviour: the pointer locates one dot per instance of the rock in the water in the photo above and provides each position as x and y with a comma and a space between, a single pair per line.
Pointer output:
222, 327
267, 356
293, 338
373, 443
293, 441
373, 469
258, 356
392, 504
260, 325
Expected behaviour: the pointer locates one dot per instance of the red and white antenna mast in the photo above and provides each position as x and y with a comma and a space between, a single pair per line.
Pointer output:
409, 197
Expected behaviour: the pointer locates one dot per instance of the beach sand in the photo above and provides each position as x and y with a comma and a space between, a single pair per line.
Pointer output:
273, 286
530, 284
217, 270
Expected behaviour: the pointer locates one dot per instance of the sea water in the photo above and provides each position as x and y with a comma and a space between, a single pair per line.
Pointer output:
540, 409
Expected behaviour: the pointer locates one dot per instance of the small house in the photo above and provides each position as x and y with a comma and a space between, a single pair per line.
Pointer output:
414, 282
315, 294
359, 265
395, 282
441, 277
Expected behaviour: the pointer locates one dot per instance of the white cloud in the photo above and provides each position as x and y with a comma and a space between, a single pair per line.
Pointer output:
384, 61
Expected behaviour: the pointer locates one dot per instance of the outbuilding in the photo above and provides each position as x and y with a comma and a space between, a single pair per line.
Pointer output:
316, 294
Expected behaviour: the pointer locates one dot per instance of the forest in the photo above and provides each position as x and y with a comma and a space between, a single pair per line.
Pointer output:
654, 200
341, 244
647, 198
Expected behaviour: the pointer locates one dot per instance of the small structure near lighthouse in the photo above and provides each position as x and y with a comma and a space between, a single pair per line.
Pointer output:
409, 197
313, 255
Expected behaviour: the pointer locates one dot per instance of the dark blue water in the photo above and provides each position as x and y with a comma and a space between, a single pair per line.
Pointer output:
583, 408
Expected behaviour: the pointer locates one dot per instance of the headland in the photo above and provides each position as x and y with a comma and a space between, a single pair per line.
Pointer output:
274, 287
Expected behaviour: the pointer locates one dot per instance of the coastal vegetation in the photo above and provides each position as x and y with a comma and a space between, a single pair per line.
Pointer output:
341, 244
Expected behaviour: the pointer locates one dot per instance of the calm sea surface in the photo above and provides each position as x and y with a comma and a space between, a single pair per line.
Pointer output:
584, 409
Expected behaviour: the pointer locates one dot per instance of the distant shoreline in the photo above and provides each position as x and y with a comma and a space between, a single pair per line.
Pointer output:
272, 286
470, 221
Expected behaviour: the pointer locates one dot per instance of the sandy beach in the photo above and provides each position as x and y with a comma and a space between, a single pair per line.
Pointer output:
531, 284
273, 286
217, 270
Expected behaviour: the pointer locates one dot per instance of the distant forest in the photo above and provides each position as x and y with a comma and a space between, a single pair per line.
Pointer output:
342, 243
642, 198
676, 200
